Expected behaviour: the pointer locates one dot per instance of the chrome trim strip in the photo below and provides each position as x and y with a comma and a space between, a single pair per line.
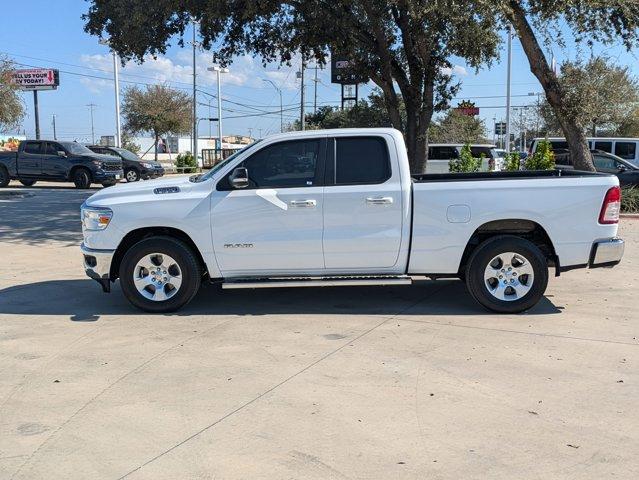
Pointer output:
332, 282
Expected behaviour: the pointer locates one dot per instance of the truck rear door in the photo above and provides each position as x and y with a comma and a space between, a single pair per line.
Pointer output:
30, 159
363, 211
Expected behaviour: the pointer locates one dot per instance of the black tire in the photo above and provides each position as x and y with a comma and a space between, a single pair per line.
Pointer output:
82, 178
131, 175
4, 177
480, 288
108, 184
189, 268
28, 183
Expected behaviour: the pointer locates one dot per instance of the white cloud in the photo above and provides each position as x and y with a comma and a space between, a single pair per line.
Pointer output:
455, 70
244, 71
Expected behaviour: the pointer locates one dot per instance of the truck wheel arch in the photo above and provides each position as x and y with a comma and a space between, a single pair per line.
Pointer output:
528, 229
134, 236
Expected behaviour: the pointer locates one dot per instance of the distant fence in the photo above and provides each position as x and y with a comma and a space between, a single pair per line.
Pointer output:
213, 156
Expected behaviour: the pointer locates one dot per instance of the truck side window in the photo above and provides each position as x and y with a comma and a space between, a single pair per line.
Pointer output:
361, 160
32, 148
52, 148
283, 165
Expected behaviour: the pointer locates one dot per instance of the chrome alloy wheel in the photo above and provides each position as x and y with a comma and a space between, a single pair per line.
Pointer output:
131, 176
157, 277
509, 276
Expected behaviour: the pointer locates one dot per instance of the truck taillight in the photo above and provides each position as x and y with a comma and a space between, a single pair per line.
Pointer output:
611, 207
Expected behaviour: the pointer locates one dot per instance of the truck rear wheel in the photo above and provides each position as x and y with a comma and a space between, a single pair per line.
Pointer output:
160, 274
82, 178
507, 274
4, 177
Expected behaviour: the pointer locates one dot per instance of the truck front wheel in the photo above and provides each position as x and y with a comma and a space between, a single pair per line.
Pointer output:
82, 178
160, 274
507, 274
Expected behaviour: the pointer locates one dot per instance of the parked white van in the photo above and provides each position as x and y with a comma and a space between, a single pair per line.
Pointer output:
439, 154
626, 148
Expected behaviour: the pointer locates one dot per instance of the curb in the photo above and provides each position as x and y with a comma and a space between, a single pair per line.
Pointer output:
630, 216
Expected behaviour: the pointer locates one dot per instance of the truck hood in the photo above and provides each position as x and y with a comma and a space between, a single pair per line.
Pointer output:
169, 188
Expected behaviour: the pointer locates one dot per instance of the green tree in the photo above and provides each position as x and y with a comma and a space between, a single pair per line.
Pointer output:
542, 159
512, 162
466, 162
128, 143
600, 94
456, 127
403, 46
158, 110
536, 22
11, 107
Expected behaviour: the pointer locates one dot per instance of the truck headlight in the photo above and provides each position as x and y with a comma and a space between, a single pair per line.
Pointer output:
95, 218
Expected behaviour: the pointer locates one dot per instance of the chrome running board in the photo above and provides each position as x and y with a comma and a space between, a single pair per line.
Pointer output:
315, 282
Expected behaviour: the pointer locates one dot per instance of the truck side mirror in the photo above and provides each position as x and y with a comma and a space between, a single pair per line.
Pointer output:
239, 178
62, 153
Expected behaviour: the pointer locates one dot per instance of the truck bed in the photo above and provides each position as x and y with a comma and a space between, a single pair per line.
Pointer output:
448, 209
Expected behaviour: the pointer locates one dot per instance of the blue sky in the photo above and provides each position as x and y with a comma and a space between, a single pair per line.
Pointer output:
50, 34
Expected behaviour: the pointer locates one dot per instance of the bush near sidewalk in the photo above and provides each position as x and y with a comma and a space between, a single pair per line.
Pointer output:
630, 199
466, 162
542, 159
186, 163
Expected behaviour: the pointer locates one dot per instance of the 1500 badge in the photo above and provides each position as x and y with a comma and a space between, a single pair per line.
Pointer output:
238, 245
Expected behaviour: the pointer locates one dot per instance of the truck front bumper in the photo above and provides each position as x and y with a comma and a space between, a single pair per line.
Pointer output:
606, 253
97, 265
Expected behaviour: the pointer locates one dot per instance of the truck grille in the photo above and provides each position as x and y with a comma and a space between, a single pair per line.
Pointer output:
111, 167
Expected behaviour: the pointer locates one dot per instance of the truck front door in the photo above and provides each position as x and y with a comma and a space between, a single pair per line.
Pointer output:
30, 159
273, 226
363, 205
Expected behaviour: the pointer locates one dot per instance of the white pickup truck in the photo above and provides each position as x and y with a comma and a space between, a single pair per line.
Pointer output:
340, 208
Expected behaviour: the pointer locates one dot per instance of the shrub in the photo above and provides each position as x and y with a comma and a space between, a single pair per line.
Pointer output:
630, 199
465, 163
512, 162
542, 159
186, 163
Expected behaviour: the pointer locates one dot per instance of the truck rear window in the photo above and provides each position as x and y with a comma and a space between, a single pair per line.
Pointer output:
361, 160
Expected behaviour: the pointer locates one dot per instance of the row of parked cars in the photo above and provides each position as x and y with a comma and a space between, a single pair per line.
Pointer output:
52, 160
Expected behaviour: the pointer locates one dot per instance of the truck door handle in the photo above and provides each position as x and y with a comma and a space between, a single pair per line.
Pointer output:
379, 200
303, 203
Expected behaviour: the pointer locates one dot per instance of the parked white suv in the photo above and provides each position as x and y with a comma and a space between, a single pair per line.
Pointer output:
440, 154
340, 208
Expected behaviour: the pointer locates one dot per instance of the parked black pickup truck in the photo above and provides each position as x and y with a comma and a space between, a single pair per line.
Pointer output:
134, 167
55, 161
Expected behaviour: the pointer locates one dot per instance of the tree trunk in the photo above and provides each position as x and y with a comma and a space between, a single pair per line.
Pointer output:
417, 122
575, 136
155, 146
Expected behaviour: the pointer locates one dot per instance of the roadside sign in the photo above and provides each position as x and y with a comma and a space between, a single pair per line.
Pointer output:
341, 71
36, 79
467, 108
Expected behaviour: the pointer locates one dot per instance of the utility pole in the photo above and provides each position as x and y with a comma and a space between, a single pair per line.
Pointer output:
116, 82
54, 133
302, 96
91, 106
37, 114
315, 93
219, 71
260, 130
510, 61
194, 94
250, 130
279, 90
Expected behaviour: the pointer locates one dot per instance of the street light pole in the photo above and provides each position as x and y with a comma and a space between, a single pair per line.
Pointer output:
194, 95
55, 137
116, 82
510, 60
279, 90
219, 71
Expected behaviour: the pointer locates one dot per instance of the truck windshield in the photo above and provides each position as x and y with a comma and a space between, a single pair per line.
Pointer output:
76, 148
222, 164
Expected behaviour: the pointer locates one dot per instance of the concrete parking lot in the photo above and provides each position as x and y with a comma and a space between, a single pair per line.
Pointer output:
361, 383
